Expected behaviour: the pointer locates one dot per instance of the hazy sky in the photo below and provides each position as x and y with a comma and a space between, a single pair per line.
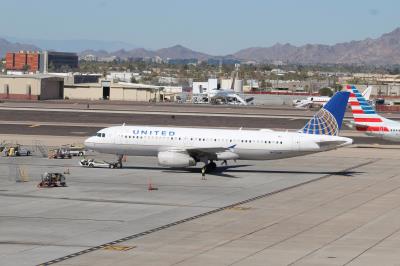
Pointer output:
212, 26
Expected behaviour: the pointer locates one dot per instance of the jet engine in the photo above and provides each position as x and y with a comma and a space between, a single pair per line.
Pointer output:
175, 159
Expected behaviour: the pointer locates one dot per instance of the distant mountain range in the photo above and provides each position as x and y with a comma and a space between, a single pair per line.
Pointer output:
76, 45
380, 51
383, 50
174, 52
6, 46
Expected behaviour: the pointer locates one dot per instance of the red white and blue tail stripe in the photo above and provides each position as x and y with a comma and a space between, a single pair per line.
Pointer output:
365, 117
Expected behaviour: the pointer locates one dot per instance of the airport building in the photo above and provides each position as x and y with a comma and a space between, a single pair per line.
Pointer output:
55, 61
80, 87
41, 61
213, 83
31, 87
108, 90
27, 61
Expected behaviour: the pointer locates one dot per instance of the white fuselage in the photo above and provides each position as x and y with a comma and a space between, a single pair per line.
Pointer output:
320, 101
388, 130
239, 144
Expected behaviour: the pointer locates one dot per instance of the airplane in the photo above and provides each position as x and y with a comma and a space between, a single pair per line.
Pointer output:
185, 147
368, 121
322, 100
227, 96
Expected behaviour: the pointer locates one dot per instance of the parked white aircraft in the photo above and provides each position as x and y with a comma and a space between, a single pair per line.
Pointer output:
368, 121
183, 147
227, 96
315, 101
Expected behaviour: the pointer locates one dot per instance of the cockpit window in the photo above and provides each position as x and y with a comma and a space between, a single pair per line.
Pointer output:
98, 135
103, 135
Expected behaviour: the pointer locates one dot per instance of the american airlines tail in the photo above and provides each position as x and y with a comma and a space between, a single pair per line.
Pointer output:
368, 121
365, 117
328, 120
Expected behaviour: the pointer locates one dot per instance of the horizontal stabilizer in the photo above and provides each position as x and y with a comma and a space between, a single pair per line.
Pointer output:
329, 144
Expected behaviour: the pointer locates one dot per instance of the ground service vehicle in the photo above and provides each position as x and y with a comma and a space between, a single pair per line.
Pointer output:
53, 180
60, 153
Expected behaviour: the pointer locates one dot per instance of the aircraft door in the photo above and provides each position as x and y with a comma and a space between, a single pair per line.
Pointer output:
296, 142
381, 131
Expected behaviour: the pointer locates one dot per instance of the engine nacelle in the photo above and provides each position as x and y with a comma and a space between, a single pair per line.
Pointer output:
175, 159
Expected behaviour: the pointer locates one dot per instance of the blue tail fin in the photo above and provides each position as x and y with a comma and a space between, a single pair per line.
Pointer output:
328, 120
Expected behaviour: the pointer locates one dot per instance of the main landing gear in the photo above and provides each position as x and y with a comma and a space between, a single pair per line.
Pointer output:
211, 166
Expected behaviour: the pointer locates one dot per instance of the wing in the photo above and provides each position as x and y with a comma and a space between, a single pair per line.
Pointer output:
211, 153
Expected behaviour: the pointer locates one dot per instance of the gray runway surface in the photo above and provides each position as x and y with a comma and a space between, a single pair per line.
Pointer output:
347, 218
149, 119
345, 212
103, 205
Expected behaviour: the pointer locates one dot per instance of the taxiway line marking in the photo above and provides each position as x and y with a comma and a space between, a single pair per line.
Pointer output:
121, 240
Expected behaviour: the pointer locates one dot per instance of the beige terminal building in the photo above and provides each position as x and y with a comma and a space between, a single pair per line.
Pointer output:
31, 87
48, 87
108, 90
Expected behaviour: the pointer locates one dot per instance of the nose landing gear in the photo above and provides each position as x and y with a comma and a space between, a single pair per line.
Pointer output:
119, 161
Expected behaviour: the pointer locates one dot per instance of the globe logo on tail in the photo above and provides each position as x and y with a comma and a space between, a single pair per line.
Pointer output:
323, 123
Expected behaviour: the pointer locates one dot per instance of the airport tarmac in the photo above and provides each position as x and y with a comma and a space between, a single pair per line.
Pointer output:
334, 208
346, 218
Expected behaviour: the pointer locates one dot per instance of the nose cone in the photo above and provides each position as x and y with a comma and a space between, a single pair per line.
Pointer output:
89, 143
